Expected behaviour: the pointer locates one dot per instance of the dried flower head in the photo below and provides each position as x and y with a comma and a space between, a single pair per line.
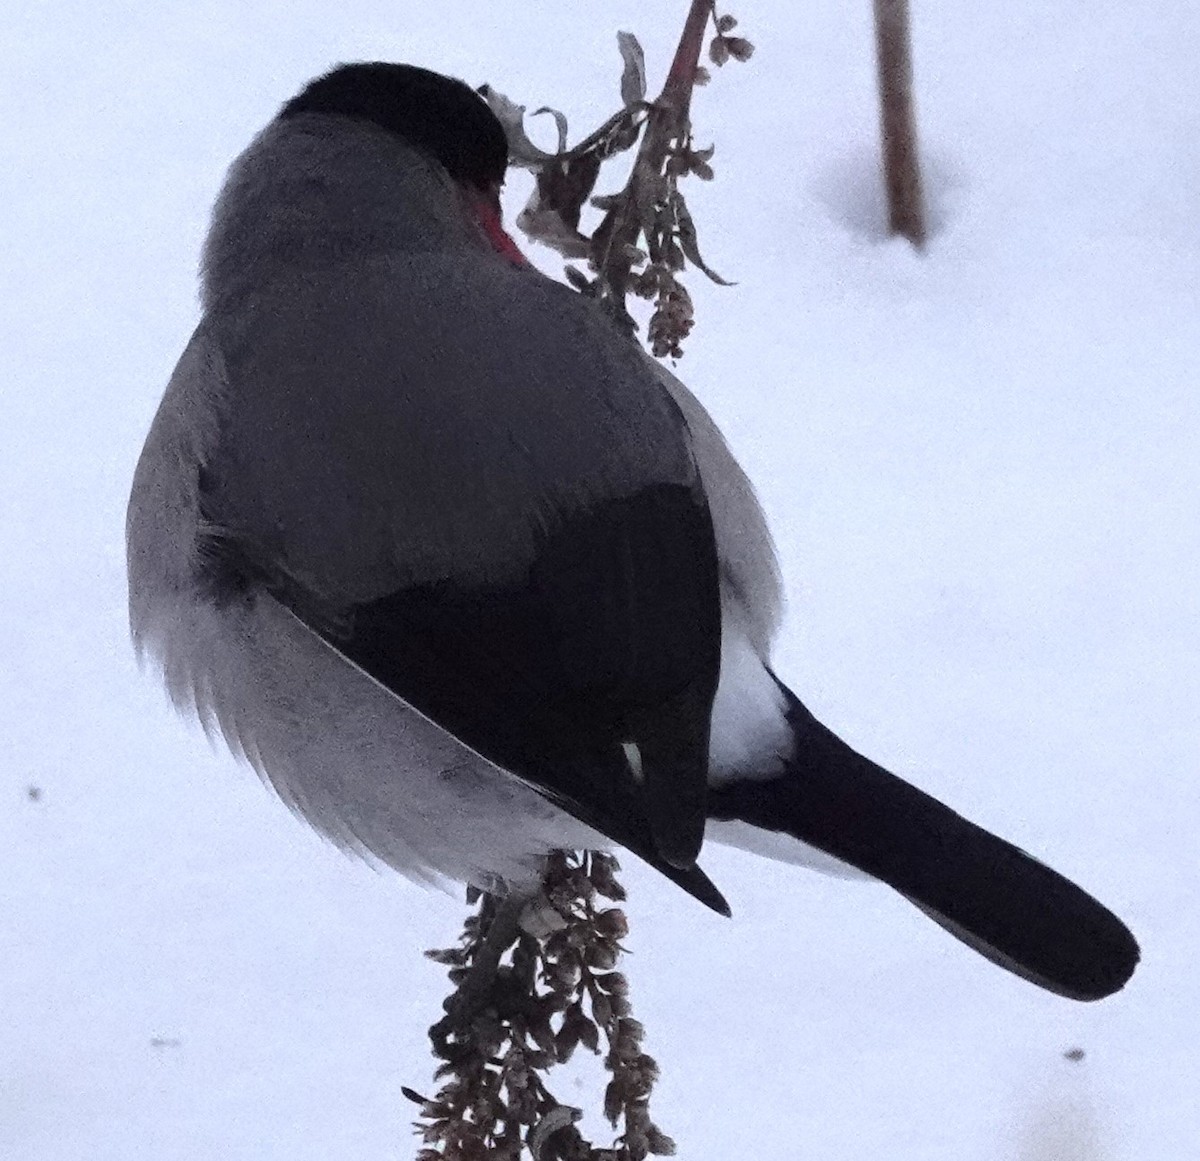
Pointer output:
529, 993
646, 238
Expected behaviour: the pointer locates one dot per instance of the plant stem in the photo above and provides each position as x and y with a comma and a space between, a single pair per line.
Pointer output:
667, 122
902, 175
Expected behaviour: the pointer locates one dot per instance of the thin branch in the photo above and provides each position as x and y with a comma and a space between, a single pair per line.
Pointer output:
647, 237
667, 127
901, 167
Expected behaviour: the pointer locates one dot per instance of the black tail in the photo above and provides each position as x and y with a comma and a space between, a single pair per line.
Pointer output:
995, 898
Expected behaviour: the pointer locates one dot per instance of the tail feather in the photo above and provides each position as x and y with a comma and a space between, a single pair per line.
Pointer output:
993, 896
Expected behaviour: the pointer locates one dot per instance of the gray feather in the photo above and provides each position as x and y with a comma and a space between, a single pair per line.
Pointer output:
439, 431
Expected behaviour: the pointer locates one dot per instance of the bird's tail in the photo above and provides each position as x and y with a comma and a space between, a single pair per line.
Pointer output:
996, 898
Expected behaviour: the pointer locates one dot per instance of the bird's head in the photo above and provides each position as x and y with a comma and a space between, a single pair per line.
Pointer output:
370, 158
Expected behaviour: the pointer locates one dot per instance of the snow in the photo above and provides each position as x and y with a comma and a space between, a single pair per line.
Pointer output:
980, 465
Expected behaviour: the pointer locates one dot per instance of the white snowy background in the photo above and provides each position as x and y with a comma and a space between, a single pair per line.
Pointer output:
982, 465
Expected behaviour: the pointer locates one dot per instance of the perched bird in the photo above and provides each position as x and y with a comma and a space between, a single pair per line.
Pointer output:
468, 577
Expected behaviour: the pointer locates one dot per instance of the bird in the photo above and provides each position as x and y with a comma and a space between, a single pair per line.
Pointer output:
468, 577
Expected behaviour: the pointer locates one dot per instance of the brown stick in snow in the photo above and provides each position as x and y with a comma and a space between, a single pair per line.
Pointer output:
901, 168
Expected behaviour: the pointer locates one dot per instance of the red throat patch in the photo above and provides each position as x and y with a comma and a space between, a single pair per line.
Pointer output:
489, 218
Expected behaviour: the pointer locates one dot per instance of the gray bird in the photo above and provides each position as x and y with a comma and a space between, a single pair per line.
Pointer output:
467, 577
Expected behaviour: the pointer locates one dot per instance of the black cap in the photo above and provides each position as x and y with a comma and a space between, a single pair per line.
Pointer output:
441, 115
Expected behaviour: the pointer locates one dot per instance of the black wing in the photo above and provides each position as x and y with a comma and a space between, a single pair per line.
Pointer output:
611, 638
396, 430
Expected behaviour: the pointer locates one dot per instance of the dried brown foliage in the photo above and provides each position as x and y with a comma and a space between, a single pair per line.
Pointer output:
552, 992
646, 237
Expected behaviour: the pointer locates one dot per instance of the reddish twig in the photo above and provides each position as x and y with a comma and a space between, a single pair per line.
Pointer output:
667, 127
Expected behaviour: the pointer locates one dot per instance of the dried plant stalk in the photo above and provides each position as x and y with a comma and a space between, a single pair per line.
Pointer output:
535, 979
901, 165
647, 236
